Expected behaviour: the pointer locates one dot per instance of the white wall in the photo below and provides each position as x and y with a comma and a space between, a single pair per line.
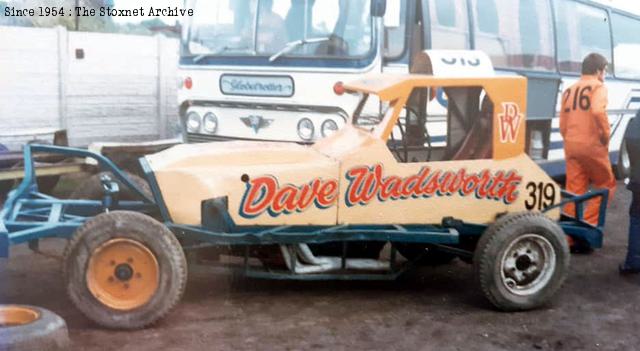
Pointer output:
124, 89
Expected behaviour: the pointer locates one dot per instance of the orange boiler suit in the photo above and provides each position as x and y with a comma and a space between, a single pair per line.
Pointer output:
584, 126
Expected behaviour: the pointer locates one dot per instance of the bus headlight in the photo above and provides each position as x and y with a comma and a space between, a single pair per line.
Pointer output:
328, 127
193, 122
305, 129
210, 123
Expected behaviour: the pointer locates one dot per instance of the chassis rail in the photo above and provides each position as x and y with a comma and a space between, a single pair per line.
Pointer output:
29, 215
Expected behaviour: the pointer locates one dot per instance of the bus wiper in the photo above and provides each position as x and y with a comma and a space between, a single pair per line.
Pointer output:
218, 52
292, 45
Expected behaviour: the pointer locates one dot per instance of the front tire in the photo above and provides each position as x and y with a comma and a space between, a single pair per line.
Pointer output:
521, 261
124, 270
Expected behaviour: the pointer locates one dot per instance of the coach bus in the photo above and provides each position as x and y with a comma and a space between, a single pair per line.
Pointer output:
273, 69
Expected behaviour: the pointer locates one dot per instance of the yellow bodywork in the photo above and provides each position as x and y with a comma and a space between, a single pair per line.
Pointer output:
501, 90
351, 177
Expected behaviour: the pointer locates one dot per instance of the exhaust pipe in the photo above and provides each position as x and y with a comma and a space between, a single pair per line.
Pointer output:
306, 262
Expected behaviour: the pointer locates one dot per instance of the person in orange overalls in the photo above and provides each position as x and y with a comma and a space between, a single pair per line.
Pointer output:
584, 126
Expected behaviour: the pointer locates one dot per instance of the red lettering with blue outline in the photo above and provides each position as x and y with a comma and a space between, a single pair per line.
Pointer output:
367, 182
264, 194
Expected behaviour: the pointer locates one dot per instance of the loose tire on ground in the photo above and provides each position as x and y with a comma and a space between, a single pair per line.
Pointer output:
31, 328
521, 261
124, 270
91, 188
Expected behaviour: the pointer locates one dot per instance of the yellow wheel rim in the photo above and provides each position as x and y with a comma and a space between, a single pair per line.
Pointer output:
123, 274
11, 316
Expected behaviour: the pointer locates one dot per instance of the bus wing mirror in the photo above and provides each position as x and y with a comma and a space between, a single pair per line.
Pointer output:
378, 8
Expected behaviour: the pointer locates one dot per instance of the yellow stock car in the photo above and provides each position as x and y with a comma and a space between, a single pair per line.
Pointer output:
325, 211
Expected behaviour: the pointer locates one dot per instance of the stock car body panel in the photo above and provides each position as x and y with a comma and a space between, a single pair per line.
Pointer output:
351, 177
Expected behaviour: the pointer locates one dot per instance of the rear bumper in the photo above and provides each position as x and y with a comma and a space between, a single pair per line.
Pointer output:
576, 226
586, 233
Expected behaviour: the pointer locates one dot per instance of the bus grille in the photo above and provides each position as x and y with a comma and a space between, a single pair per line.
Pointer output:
204, 138
207, 138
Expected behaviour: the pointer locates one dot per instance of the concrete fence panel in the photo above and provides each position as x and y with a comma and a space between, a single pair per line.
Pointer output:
29, 81
98, 86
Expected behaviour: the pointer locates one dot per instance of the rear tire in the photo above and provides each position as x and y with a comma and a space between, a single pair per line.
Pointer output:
521, 261
91, 188
124, 270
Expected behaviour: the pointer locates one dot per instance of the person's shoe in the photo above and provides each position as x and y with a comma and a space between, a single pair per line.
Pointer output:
624, 270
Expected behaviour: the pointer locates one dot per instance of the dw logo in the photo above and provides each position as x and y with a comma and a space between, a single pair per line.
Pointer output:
509, 122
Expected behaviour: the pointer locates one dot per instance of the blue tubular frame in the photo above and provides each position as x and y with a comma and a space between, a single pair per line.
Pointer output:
317, 234
576, 226
29, 215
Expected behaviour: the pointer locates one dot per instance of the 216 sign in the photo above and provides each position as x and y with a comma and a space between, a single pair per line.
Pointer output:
580, 99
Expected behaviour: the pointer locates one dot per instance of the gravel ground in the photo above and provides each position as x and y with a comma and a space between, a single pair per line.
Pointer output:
437, 308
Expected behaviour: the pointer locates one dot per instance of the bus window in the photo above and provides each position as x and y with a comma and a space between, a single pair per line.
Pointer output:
449, 24
486, 16
582, 29
322, 20
626, 46
395, 28
515, 34
529, 31
232, 20
339, 29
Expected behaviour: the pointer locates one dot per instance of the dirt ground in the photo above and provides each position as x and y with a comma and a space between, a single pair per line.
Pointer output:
437, 308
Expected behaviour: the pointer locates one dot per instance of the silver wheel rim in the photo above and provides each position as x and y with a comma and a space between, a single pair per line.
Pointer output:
527, 264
